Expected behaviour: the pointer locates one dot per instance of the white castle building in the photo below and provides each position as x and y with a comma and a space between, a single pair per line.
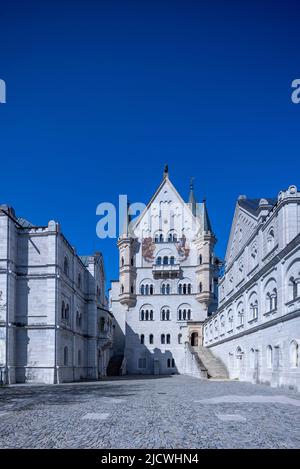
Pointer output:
167, 284
54, 322
256, 330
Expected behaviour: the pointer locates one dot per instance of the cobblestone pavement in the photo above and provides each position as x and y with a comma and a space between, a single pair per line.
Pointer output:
162, 412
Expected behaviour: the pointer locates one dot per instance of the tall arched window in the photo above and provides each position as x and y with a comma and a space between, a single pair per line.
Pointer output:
151, 315
269, 357
294, 288
180, 289
147, 315
151, 289
66, 357
166, 260
142, 315
147, 290
151, 339
189, 288
169, 363
179, 338
294, 354
142, 339
162, 338
66, 266
158, 261
168, 289
172, 260
167, 315
142, 289
179, 315
200, 259
189, 314
163, 289
168, 339
161, 238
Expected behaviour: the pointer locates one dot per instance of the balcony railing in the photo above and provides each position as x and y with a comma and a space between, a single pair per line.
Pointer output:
161, 270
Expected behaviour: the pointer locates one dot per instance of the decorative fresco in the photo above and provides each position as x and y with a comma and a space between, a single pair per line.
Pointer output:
182, 248
148, 248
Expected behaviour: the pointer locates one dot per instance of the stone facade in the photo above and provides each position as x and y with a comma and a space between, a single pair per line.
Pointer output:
167, 284
256, 329
54, 322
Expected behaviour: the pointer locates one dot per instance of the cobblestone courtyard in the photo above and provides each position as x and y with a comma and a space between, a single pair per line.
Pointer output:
164, 412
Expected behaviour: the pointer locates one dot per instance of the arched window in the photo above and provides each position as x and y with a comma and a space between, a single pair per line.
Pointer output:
67, 311
151, 339
294, 354
162, 338
200, 287
66, 266
168, 289
184, 314
166, 260
169, 363
179, 338
122, 261
163, 289
252, 358
269, 357
174, 237
294, 288
142, 289
180, 289
63, 310
161, 238
158, 261
151, 289
66, 358
167, 315
168, 339
184, 289
142, 339
200, 259
189, 314
79, 357
170, 238
172, 260
163, 315
179, 315
147, 290
270, 239
147, 315
151, 315
156, 239
189, 288
142, 315
173, 363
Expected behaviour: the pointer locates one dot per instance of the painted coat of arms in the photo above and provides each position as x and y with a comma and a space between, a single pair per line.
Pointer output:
182, 248
148, 248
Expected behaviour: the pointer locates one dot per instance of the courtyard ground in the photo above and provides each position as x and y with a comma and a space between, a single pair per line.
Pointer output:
160, 412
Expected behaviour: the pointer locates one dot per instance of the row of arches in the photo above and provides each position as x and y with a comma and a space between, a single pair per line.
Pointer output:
270, 357
66, 357
164, 339
183, 288
184, 313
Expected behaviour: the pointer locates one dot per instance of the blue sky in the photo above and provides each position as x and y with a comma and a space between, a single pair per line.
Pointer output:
100, 95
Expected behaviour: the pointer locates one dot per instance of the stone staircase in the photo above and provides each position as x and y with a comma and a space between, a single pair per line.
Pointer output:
214, 366
114, 365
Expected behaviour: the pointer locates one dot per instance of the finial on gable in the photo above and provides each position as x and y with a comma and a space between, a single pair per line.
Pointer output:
166, 171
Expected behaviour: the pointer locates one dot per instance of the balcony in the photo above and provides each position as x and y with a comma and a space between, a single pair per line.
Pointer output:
166, 270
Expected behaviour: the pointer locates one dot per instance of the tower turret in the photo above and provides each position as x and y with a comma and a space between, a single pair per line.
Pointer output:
207, 270
127, 267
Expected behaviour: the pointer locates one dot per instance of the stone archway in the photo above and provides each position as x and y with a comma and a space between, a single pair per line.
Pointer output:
194, 339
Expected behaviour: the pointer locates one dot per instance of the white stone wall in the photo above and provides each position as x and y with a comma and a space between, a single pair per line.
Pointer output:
259, 310
50, 304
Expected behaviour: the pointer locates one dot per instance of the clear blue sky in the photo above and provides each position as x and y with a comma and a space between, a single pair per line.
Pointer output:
100, 94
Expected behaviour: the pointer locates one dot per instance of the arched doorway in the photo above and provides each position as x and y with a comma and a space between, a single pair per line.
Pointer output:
194, 339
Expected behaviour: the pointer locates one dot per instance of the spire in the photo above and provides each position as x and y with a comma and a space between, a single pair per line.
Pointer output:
192, 199
166, 171
206, 225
